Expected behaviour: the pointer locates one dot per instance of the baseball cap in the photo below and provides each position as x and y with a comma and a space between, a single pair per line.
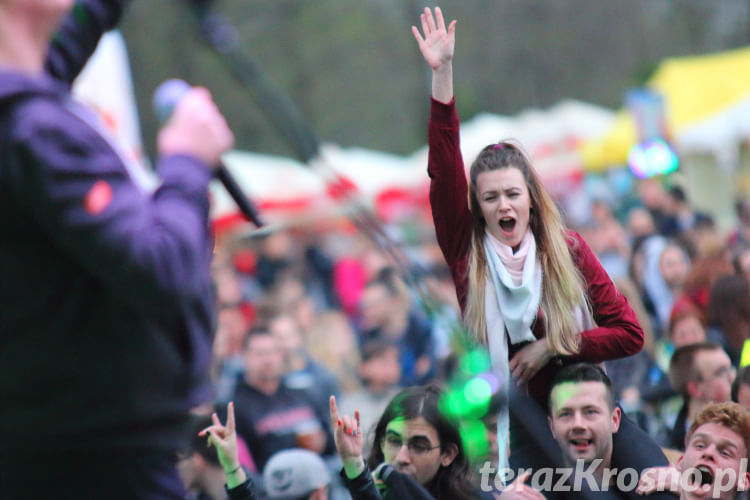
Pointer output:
290, 474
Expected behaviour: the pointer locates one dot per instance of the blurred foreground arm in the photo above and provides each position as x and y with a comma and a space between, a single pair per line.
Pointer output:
79, 35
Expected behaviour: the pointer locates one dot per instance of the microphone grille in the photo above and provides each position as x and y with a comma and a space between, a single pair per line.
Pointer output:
166, 97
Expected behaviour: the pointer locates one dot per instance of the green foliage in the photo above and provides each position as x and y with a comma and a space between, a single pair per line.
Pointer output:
353, 70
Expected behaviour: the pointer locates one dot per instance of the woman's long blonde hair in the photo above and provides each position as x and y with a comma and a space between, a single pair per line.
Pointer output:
562, 283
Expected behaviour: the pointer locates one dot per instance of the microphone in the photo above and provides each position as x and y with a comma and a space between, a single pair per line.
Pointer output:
166, 97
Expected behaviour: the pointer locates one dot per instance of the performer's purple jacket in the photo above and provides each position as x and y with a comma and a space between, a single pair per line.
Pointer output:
106, 302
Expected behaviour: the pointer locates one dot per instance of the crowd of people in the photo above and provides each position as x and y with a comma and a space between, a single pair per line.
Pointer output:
613, 346
658, 294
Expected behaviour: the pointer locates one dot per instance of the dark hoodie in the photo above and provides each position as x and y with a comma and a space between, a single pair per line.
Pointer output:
105, 292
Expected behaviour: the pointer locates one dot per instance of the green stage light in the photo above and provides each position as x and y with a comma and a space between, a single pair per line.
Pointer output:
474, 438
452, 403
477, 391
475, 362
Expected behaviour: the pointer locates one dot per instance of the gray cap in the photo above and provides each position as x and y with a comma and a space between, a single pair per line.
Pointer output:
292, 473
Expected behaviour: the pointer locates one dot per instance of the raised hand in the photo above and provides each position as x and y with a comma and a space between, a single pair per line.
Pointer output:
438, 43
347, 432
224, 439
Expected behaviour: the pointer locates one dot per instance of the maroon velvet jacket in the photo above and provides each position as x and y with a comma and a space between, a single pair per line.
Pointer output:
618, 333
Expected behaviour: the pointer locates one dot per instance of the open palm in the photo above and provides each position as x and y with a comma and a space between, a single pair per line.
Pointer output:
438, 43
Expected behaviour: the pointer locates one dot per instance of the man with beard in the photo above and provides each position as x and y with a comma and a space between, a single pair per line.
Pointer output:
271, 416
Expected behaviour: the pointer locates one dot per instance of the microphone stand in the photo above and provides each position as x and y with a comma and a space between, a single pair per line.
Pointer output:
222, 37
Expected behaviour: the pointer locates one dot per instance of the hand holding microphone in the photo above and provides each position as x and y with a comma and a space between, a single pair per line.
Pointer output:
195, 127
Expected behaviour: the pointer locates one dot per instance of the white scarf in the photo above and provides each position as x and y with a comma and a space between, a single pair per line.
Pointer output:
512, 305
516, 303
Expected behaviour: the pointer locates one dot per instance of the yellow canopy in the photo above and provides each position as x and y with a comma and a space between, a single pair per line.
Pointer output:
694, 88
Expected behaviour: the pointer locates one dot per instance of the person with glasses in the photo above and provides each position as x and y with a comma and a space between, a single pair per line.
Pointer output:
703, 374
412, 438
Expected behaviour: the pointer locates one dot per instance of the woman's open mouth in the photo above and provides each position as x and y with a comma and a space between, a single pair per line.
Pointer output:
507, 224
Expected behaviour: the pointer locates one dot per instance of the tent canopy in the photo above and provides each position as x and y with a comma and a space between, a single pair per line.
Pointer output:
552, 137
282, 186
705, 98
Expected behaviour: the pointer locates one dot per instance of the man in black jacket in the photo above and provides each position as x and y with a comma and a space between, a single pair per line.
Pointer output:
270, 416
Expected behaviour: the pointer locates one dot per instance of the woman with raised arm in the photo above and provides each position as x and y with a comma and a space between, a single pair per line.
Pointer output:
529, 289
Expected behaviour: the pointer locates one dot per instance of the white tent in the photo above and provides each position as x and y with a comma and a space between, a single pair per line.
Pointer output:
551, 137
106, 86
282, 186
719, 134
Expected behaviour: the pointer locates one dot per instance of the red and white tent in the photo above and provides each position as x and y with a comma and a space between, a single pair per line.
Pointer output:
283, 188
397, 186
